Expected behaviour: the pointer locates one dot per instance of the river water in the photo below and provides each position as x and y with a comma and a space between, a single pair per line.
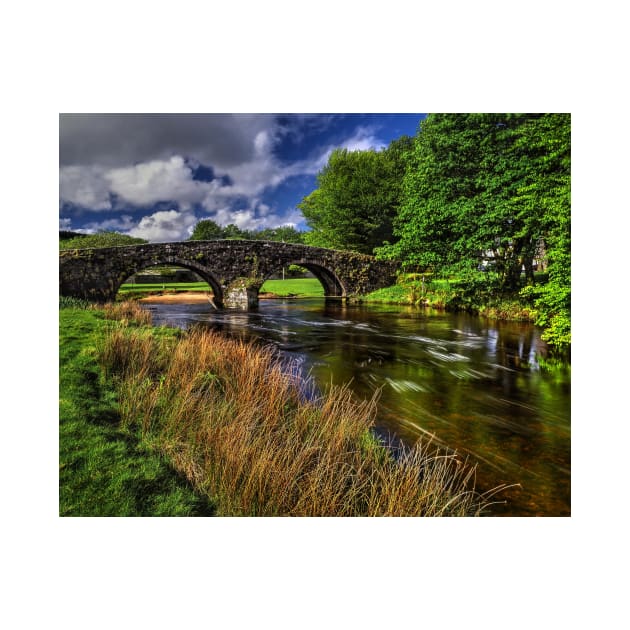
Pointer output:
469, 384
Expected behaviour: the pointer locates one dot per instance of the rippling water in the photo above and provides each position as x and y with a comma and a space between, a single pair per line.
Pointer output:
467, 383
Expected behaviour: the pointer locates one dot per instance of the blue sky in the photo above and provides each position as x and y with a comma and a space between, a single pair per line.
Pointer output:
156, 175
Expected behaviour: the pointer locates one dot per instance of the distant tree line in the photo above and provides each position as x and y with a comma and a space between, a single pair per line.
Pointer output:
208, 230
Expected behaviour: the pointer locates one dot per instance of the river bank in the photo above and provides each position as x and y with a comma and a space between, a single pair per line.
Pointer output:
226, 417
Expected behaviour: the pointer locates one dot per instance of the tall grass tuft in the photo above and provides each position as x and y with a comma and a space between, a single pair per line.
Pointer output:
72, 302
127, 312
229, 417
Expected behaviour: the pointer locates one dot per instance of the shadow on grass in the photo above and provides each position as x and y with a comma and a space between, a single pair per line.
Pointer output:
163, 496
103, 469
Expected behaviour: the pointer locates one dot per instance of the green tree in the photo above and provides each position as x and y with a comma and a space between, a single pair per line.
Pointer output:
357, 198
206, 230
233, 232
284, 233
548, 195
461, 204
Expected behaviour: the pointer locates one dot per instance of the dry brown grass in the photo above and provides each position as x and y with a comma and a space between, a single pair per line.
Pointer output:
127, 312
228, 416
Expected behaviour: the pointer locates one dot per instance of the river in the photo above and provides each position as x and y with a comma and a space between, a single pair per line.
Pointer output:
467, 383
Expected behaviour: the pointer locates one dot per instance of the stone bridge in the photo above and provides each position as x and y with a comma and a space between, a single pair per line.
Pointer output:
235, 270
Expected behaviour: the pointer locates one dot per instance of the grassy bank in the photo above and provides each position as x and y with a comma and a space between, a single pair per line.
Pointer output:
228, 418
130, 289
103, 469
294, 287
453, 295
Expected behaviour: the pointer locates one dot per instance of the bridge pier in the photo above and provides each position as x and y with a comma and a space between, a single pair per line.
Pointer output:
240, 296
242, 293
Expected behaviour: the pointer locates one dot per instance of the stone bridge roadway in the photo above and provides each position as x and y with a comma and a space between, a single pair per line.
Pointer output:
234, 269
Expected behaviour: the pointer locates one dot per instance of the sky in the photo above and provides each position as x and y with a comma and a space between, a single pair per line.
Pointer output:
154, 176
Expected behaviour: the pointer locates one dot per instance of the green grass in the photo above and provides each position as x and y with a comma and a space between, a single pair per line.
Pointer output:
164, 286
452, 294
290, 287
396, 294
302, 287
104, 470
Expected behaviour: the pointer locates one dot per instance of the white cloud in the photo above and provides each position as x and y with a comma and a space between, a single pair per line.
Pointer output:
159, 180
84, 186
363, 140
122, 224
165, 226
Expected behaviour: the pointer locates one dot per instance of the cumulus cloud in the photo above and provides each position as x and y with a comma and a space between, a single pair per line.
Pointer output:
159, 180
150, 182
164, 226
147, 183
84, 186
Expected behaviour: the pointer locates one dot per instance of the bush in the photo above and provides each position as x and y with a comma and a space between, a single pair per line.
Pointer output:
100, 239
553, 312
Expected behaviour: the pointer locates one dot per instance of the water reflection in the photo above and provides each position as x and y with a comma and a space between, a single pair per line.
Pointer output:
472, 385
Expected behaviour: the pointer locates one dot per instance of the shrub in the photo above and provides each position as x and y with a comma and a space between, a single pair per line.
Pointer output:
100, 239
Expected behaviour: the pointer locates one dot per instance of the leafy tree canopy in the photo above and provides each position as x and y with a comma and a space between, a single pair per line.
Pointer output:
206, 230
357, 198
465, 198
285, 233
549, 194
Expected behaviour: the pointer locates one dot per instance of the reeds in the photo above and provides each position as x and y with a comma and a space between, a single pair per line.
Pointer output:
229, 416
127, 312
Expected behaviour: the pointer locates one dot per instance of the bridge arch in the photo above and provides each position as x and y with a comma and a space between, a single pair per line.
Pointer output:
333, 285
205, 273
